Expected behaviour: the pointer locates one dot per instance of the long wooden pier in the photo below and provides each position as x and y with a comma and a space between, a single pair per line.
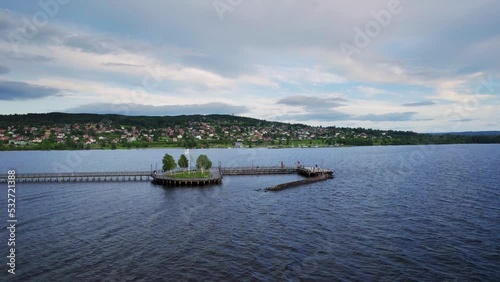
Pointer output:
216, 175
302, 170
81, 176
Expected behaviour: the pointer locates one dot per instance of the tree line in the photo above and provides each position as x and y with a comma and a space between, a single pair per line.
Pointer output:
202, 162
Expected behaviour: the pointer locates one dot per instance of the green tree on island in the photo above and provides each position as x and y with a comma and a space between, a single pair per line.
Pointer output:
168, 162
183, 162
203, 162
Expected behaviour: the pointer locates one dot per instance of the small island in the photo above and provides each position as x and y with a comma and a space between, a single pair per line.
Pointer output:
201, 176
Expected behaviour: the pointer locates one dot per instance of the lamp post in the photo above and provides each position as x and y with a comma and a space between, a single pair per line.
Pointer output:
190, 160
186, 153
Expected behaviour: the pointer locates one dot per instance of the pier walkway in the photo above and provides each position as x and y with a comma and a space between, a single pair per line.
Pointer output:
81, 176
258, 170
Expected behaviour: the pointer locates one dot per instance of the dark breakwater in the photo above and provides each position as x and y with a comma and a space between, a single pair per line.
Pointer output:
298, 183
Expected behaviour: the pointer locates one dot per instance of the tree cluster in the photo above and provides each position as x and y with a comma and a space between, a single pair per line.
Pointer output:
202, 162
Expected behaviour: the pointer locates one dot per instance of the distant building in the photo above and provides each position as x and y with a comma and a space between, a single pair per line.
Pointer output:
238, 144
18, 143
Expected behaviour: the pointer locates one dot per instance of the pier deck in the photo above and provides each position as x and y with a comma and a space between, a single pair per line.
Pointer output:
81, 176
258, 170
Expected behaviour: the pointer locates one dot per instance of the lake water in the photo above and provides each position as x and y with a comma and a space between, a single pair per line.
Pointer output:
397, 213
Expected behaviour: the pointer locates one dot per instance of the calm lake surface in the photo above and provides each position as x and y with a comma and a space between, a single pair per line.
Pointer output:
397, 213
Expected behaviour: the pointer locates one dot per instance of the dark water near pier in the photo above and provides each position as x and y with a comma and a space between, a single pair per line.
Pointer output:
391, 214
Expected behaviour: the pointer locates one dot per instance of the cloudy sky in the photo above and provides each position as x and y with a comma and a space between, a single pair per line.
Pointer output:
427, 66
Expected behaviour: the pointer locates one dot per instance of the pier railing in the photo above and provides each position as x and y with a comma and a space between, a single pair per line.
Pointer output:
81, 176
257, 170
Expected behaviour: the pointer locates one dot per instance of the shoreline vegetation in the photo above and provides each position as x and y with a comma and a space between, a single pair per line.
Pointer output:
62, 131
21, 149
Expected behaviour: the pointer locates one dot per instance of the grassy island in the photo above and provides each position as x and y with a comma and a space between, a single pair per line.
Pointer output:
187, 175
203, 164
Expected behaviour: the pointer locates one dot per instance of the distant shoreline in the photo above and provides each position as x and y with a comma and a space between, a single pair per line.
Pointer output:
60, 131
243, 148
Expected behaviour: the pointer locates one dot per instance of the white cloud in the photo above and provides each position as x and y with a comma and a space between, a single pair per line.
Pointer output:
462, 89
370, 90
